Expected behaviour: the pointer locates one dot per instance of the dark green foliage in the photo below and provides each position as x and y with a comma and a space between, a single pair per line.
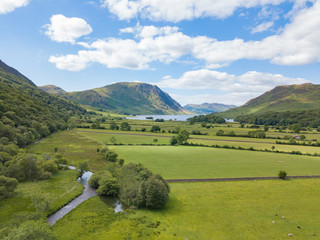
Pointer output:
108, 186
153, 193
114, 126
257, 134
155, 128
304, 118
210, 118
111, 156
159, 120
296, 128
220, 133
183, 136
35, 230
94, 180
83, 167
125, 126
282, 174
7, 186
27, 113
173, 141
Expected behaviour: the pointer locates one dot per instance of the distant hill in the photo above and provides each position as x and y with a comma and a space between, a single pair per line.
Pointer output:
279, 99
51, 89
128, 98
27, 113
206, 108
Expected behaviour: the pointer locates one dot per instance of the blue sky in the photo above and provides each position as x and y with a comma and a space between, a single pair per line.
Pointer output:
196, 50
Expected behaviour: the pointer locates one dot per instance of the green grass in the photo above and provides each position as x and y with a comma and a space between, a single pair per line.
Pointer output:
241, 210
138, 138
59, 190
95, 220
74, 147
227, 211
200, 162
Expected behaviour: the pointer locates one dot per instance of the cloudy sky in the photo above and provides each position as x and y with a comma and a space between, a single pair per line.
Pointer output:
196, 50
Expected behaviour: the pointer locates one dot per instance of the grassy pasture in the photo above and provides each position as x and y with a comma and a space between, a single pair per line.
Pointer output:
58, 191
227, 211
74, 147
199, 162
133, 137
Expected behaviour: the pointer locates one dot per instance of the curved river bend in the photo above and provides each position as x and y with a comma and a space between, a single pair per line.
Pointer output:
87, 193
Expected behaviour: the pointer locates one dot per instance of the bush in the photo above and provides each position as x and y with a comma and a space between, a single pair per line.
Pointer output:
173, 141
153, 193
282, 174
111, 156
94, 180
108, 186
7, 186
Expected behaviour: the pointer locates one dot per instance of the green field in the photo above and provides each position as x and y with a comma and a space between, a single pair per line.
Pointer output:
74, 147
58, 191
138, 138
210, 211
200, 162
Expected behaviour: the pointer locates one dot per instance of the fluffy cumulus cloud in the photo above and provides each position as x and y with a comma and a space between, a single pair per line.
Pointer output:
231, 88
178, 10
7, 6
64, 29
297, 44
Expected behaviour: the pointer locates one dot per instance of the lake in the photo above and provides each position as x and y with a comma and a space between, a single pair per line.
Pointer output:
167, 117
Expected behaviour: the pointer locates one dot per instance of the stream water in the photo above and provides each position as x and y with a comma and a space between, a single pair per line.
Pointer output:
87, 193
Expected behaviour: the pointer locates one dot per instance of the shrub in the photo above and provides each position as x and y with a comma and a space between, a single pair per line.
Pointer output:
173, 141
153, 193
282, 174
108, 186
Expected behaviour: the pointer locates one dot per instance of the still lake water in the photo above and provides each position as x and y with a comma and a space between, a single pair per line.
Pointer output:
167, 117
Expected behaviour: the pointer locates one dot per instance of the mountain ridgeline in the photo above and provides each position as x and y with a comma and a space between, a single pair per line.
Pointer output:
206, 108
27, 113
128, 98
280, 99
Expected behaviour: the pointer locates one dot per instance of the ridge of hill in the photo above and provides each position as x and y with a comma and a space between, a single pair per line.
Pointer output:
52, 89
27, 113
128, 98
280, 99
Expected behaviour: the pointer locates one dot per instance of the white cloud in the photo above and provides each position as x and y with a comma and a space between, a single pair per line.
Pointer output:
64, 29
262, 27
7, 6
297, 44
178, 10
231, 88
209, 79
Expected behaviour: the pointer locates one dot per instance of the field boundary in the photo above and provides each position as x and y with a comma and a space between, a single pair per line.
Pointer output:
238, 179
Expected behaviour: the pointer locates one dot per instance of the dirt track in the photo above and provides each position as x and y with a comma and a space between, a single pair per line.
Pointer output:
237, 179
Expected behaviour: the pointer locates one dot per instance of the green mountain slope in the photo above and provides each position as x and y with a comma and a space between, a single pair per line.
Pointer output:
51, 89
206, 108
128, 98
27, 113
280, 99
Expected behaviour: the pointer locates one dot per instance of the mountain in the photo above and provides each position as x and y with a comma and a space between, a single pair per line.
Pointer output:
279, 99
27, 113
128, 98
52, 89
206, 108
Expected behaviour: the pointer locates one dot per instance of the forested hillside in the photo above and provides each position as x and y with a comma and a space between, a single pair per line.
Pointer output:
27, 113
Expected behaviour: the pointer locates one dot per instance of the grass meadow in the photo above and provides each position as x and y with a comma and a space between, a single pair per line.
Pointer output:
210, 211
200, 162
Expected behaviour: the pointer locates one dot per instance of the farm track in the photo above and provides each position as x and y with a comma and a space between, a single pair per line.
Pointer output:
238, 179
152, 135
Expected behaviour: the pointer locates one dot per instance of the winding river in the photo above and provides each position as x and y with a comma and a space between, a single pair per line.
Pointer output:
87, 193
